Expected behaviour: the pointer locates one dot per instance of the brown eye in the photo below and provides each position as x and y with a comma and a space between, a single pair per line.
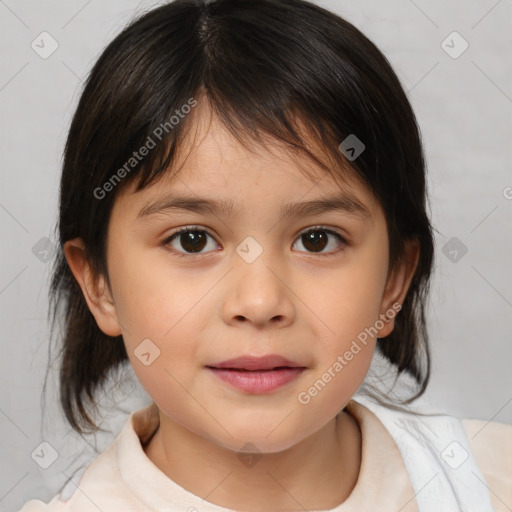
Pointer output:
189, 241
193, 241
315, 240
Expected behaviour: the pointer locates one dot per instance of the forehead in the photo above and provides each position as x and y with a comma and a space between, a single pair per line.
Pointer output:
212, 162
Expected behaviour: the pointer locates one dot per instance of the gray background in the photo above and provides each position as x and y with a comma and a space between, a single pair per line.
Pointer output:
463, 106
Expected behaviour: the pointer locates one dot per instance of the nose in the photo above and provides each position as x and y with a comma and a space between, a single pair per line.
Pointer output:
259, 293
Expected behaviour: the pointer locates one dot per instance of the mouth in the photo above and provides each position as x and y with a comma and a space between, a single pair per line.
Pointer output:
270, 362
254, 375
263, 370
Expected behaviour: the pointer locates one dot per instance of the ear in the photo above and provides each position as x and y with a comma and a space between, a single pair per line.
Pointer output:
94, 288
397, 286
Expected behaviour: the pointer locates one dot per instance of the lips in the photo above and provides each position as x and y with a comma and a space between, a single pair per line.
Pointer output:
257, 375
254, 364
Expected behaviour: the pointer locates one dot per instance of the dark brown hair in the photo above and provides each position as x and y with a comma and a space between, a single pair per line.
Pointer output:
267, 68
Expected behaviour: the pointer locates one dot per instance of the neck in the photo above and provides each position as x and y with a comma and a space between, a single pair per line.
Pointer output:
318, 473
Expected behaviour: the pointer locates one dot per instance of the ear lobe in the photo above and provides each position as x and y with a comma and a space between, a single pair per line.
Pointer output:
94, 288
398, 285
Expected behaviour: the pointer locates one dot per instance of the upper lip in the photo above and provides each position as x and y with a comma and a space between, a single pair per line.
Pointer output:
267, 362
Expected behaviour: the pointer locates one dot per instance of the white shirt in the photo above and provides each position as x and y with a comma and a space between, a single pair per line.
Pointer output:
124, 479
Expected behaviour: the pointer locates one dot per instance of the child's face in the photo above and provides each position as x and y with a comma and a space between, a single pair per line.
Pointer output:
230, 301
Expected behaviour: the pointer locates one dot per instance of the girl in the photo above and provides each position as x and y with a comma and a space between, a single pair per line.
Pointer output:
243, 221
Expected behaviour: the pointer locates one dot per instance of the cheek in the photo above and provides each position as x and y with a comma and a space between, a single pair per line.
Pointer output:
154, 297
159, 303
349, 300
347, 303
341, 366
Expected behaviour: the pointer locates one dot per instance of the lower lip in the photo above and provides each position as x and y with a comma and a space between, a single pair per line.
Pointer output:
258, 382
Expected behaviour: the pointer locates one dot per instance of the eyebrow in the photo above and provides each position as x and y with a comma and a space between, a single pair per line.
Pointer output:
345, 203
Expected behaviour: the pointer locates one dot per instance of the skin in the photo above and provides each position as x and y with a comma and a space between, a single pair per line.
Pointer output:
210, 307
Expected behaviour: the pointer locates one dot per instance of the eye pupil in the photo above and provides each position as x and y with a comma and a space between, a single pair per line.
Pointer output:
317, 240
193, 240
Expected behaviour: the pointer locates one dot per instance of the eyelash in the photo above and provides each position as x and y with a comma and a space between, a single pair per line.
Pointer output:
187, 229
